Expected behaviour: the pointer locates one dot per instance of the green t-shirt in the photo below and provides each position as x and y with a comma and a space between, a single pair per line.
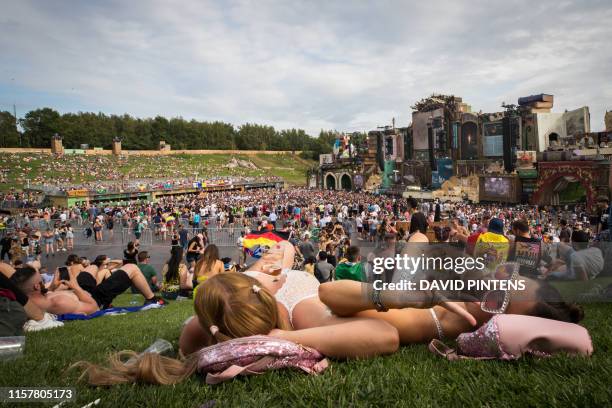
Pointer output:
148, 271
351, 271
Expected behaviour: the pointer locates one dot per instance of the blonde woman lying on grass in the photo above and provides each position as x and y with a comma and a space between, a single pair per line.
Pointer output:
269, 299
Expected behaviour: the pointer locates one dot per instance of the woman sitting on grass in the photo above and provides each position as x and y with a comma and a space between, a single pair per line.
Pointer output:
177, 281
208, 265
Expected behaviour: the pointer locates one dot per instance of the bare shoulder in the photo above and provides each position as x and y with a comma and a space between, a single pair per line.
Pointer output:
6, 269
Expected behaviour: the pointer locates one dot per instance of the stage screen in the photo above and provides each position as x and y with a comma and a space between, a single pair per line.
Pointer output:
493, 145
498, 187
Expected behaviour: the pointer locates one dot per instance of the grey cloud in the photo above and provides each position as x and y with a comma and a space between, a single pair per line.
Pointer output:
341, 65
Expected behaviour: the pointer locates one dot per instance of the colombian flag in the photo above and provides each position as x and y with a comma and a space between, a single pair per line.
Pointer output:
255, 241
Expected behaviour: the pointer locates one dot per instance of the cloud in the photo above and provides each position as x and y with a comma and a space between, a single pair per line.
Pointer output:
311, 65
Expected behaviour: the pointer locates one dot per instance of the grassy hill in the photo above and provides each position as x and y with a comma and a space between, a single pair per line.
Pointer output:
16, 169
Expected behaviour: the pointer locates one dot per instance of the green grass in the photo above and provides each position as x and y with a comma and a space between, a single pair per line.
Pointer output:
411, 377
17, 168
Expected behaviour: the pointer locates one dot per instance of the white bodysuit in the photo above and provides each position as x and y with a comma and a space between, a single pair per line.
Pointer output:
298, 286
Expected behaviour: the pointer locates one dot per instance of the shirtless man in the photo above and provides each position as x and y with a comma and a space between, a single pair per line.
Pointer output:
21, 310
76, 299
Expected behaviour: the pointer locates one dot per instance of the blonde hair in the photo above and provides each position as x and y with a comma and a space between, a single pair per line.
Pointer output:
205, 264
130, 367
236, 304
227, 306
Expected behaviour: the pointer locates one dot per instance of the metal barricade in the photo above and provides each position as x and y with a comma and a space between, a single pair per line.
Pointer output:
222, 237
129, 234
81, 237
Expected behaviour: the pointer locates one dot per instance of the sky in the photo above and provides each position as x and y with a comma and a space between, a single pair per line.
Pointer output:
332, 65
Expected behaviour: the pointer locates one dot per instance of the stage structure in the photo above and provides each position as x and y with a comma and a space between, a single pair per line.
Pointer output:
349, 166
524, 153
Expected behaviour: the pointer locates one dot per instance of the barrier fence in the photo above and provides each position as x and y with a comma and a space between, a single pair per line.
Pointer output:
223, 237
83, 234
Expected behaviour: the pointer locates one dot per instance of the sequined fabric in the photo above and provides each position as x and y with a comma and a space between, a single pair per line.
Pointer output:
509, 337
483, 343
246, 351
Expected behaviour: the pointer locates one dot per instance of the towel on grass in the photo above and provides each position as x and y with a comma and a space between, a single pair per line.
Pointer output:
113, 311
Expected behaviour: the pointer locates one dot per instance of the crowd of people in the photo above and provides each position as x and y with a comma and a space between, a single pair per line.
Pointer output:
19, 199
309, 287
107, 173
336, 219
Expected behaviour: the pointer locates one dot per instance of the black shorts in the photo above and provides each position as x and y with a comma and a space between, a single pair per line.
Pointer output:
112, 287
87, 281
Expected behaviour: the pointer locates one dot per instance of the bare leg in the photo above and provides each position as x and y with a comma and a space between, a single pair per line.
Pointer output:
138, 280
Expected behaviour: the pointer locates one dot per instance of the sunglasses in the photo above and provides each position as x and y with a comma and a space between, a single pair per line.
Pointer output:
496, 301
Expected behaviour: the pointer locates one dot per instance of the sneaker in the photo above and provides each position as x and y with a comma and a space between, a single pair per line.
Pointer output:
153, 300
49, 321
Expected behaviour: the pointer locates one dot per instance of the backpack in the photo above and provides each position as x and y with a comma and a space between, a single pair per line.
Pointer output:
254, 355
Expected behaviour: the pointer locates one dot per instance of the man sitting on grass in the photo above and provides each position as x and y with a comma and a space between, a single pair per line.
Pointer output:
76, 299
351, 267
148, 271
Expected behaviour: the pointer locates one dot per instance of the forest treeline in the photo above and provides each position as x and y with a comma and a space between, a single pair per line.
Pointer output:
38, 126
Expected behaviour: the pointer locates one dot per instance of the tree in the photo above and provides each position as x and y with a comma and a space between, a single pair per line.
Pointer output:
39, 126
98, 130
255, 137
9, 135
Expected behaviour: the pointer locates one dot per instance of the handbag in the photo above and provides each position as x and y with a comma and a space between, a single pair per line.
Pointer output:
509, 337
255, 355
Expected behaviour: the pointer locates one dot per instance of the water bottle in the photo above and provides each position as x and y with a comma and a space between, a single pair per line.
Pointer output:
159, 346
11, 347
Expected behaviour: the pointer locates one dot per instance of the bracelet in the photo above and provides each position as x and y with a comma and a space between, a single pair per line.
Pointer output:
438, 324
377, 301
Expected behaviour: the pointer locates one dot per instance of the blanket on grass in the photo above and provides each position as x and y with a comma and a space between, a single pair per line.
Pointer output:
113, 311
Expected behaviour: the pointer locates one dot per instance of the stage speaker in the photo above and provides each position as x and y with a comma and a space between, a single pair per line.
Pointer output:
441, 140
509, 143
432, 160
380, 154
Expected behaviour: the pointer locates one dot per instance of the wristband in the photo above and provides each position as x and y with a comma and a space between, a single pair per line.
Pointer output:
378, 305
